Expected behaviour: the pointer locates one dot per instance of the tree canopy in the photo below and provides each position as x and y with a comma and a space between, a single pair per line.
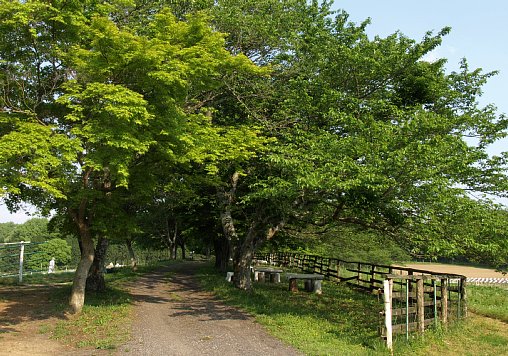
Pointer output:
243, 119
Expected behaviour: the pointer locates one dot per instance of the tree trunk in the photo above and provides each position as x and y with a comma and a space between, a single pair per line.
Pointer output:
174, 250
132, 256
225, 200
172, 239
95, 281
182, 247
222, 253
77, 299
243, 260
245, 251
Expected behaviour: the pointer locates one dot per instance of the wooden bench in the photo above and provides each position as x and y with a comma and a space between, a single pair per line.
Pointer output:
272, 274
312, 282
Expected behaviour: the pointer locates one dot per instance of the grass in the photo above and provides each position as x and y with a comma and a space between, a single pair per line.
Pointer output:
104, 322
477, 336
39, 278
342, 321
489, 301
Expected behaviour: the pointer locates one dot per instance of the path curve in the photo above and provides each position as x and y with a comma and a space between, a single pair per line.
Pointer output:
174, 316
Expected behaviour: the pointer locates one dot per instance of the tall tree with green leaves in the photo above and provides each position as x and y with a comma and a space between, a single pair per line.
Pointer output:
379, 135
87, 95
366, 132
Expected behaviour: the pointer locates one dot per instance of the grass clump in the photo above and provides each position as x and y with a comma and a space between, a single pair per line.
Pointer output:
104, 322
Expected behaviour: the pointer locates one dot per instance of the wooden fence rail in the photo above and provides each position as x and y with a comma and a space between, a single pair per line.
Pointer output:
417, 298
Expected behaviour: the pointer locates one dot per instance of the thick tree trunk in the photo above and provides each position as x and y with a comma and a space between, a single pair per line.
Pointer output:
95, 281
174, 250
182, 247
172, 247
225, 199
245, 252
132, 256
77, 299
243, 261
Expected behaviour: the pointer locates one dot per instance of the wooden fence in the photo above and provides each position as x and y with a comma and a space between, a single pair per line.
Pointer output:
417, 298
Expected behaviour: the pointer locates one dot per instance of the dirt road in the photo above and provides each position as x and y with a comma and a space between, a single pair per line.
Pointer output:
173, 316
470, 272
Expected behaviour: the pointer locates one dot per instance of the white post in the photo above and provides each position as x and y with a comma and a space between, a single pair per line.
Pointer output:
21, 253
388, 313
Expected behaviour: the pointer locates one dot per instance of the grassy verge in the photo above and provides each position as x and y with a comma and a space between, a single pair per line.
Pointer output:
316, 324
489, 301
104, 322
39, 278
344, 322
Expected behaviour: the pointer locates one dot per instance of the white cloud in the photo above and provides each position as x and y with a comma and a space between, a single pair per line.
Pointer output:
19, 217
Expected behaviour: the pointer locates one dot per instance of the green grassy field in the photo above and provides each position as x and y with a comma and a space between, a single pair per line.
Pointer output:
489, 301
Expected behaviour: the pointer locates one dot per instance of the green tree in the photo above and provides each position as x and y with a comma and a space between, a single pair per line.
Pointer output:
7, 231
367, 132
33, 230
87, 99
56, 248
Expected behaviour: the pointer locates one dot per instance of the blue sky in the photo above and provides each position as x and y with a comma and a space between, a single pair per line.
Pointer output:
479, 33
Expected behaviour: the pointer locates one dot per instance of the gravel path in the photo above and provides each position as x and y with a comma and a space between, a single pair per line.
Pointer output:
175, 317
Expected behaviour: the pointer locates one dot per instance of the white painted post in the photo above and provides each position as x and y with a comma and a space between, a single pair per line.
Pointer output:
21, 253
388, 314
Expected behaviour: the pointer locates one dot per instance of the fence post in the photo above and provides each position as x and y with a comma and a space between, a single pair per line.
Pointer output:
444, 301
21, 255
407, 308
463, 295
420, 306
372, 273
388, 313
434, 294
